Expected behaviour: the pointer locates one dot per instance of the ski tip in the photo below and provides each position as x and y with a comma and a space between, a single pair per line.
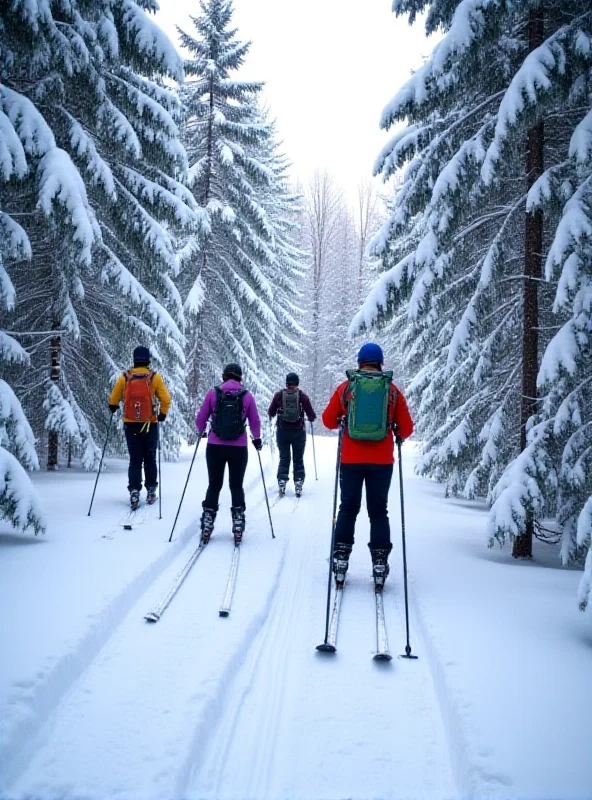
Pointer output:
224, 612
151, 618
326, 648
382, 657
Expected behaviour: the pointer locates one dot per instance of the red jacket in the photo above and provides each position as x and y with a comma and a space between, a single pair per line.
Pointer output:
356, 451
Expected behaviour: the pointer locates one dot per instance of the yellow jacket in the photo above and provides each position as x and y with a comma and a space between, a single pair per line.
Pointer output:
160, 391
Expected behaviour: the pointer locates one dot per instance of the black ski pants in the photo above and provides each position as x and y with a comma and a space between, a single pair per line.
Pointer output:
217, 457
291, 444
142, 447
377, 479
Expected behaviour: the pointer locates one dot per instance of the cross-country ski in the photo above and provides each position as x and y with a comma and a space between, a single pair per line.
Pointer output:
160, 608
231, 583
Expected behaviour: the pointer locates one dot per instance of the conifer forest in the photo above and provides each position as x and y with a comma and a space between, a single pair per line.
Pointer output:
146, 198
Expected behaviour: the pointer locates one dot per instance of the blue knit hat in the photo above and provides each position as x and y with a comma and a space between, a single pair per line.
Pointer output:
370, 353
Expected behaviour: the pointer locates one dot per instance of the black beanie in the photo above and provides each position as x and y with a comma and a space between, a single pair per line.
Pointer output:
141, 356
292, 379
232, 371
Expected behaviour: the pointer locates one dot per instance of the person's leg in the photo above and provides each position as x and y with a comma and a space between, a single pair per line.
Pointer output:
216, 464
378, 481
351, 480
149, 449
134, 446
283, 443
237, 466
298, 446
238, 458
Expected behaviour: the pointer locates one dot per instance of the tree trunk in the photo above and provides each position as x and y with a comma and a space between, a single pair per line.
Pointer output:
53, 438
533, 248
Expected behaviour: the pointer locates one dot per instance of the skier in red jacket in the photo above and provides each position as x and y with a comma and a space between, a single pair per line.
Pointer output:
369, 463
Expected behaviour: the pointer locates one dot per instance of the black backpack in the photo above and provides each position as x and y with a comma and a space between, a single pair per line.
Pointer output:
291, 410
228, 421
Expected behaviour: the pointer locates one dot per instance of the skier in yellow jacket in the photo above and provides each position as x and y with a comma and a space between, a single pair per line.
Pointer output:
140, 388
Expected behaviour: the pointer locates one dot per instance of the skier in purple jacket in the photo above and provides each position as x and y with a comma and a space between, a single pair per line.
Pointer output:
229, 406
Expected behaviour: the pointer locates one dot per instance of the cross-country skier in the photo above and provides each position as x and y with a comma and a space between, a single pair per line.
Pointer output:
139, 388
229, 406
290, 405
370, 406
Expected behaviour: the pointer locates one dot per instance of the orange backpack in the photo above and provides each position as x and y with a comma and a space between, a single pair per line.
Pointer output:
138, 397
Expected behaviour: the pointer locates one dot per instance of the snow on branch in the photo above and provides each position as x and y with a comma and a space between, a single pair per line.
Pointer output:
151, 41
11, 351
19, 502
532, 79
378, 297
580, 146
15, 431
133, 289
60, 181
30, 126
518, 493
15, 242
467, 26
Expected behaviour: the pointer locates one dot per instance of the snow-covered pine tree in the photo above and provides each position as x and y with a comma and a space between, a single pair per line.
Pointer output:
19, 502
229, 297
289, 269
82, 89
465, 240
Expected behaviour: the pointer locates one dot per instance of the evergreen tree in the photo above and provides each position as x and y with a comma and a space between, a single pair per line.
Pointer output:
489, 168
226, 281
100, 194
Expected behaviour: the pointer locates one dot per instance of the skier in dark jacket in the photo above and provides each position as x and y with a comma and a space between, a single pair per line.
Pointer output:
368, 463
290, 405
230, 407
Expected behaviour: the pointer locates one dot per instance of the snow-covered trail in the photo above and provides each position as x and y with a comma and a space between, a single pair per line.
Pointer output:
96, 703
202, 707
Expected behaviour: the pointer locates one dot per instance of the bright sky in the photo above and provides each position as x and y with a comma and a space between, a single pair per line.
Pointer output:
330, 66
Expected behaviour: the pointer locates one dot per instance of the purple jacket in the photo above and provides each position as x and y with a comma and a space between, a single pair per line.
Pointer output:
249, 408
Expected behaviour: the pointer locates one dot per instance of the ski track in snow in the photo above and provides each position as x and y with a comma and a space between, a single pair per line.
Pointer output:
268, 705
19, 743
259, 679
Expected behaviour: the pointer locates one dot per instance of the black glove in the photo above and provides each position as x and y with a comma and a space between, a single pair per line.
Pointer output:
161, 417
257, 444
399, 441
113, 408
202, 434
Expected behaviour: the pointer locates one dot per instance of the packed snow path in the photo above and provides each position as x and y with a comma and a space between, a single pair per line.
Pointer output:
199, 707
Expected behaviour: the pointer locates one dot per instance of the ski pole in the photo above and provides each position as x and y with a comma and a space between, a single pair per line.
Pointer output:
159, 476
407, 646
314, 455
100, 464
266, 498
185, 487
337, 468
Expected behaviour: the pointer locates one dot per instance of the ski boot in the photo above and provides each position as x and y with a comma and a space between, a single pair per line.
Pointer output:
380, 567
298, 487
238, 523
282, 487
207, 524
134, 499
341, 561
150, 495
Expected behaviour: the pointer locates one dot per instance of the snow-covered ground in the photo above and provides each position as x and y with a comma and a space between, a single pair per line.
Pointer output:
97, 703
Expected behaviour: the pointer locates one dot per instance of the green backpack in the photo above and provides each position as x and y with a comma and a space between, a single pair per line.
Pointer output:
367, 401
